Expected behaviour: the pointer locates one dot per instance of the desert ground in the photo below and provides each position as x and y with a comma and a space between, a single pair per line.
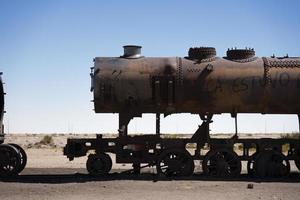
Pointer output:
50, 175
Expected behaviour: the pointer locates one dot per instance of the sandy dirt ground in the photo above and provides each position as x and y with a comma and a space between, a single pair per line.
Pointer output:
50, 175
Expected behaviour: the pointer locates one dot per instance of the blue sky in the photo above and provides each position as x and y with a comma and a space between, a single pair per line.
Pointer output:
47, 47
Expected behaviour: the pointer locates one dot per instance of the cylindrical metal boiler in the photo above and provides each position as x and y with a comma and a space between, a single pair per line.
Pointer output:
200, 83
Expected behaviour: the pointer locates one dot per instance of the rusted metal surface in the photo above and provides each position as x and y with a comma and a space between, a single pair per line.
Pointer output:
218, 85
201, 84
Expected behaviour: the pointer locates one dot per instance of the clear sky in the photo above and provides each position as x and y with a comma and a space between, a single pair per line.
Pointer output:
47, 48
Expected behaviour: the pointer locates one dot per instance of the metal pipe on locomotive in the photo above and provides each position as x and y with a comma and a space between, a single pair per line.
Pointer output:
202, 84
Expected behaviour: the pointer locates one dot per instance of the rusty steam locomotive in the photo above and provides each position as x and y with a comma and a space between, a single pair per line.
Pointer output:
202, 84
13, 158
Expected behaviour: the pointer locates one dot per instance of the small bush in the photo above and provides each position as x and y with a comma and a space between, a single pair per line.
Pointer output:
47, 140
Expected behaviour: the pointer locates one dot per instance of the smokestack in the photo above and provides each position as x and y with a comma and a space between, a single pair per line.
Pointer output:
132, 51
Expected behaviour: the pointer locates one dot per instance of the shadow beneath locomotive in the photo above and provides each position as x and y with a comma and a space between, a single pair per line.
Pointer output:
61, 178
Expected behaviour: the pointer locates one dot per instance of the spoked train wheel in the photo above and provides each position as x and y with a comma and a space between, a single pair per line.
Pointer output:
10, 160
270, 163
99, 164
23, 156
175, 162
221, 163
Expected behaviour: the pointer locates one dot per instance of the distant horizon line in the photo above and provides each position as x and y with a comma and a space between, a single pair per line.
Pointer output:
241, 133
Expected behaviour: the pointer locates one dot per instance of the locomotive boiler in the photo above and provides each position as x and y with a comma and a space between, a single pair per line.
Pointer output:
202, 84
13, 158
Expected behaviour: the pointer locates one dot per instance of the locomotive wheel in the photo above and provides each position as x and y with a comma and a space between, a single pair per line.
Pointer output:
99, 164
23, 156
270, 163
10, 160
175, 163
221, 163
250, 164
297, 159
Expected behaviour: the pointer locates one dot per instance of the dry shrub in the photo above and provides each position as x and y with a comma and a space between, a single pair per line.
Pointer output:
47, 140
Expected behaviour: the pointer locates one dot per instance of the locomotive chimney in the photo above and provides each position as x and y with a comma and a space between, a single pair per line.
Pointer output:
132, 51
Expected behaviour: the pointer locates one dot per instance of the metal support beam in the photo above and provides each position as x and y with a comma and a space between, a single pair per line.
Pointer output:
236, 125
157, 123
299, 122
234, 115
157, 92
124, 119
170, 92
202, 133
201, 136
